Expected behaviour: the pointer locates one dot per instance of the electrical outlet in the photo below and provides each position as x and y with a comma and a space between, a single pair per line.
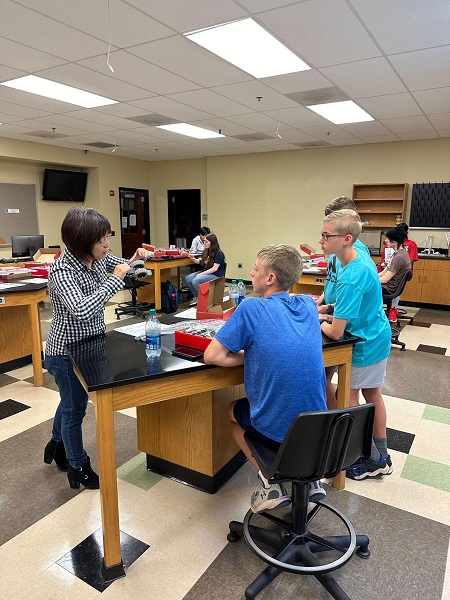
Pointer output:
2, 300
239, 265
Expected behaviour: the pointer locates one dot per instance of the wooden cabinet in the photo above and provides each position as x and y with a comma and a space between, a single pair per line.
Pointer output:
430, 283
380, 205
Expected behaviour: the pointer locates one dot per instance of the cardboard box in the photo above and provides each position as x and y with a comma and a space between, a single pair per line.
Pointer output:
45, 255
210, 304
191, 341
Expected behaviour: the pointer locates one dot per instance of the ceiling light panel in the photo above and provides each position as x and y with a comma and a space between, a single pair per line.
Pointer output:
248, 46
57, 91
191, 131
341, 112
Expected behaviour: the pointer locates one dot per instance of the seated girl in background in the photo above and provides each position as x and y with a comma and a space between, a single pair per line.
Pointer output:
198, 243
212, 262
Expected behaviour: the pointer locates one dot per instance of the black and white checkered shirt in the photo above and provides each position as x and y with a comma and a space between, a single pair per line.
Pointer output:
78, 295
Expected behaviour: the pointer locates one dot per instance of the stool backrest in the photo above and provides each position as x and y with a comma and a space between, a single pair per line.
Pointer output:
407, 276
318, 444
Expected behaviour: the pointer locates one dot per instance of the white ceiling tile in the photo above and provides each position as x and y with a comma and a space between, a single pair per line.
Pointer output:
210, 102
256, 121
7, 73
228, 128
20, 23
138, 72
406, 25
34, 101
74, 14
376, 139
363, 130
168, 107
434, 101
94, 116
419, 135
441, 121
183, 57
260, 5
347, 141
444, 133
194, 14
424, 69
9, 108
121, 110
408, 124
73, 123
298, 116
323, 33
29, 60
389, 107
361, 79
302, 81
248, 92
326, 132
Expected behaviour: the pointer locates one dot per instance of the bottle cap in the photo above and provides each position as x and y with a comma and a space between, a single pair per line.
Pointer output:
233, 281
152, 311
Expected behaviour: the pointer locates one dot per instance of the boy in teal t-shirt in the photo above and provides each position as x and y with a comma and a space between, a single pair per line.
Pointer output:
359, 310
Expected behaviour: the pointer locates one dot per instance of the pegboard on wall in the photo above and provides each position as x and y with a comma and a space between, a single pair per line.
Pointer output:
430, 205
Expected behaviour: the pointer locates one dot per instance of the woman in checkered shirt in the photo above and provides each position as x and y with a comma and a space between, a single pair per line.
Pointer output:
80, 283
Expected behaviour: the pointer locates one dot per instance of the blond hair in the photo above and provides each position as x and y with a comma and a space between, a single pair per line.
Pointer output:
339, 203
284, 261
344, 221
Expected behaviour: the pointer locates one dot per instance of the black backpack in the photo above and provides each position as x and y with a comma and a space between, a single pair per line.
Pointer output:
169, 297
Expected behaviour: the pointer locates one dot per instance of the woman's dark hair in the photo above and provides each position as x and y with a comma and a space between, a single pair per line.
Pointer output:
209, 253
405, 228
205, 230
81, 229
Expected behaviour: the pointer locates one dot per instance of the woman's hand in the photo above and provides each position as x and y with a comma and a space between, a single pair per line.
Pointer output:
195, 260
121, 270
141, 253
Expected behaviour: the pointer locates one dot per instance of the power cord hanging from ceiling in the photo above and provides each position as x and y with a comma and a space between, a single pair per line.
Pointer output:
111, 68
279, 122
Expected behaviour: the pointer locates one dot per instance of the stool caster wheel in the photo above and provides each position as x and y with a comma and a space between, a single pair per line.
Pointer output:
233, 536
363, 552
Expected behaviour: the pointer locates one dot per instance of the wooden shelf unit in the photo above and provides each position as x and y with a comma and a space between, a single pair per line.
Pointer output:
380, 203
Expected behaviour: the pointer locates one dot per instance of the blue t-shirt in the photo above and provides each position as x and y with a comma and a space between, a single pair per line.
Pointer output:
219, 258
283, 364
359, 301
333, 268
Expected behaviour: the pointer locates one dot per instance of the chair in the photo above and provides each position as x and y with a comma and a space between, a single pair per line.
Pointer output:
387, 298
317, 445
133, 307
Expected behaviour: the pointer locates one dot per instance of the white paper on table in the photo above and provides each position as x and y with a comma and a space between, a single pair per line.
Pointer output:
35, 280
7, 286
138, 329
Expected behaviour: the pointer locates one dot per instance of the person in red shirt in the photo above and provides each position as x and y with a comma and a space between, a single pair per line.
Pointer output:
413, 253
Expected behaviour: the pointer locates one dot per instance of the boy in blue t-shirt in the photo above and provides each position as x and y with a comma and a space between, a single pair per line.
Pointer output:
278, 340
359, 311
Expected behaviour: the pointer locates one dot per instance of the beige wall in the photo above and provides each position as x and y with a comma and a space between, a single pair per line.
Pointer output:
251, 200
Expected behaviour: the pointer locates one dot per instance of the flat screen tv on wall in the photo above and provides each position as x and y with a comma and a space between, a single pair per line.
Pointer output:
66, 186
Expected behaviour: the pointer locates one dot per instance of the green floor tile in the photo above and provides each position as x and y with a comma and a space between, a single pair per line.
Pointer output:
135, 472
437, 413
428, 472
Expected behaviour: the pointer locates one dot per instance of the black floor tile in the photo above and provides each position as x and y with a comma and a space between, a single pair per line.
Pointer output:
85, 560
7, 379
399, 440
11, 407
431, 349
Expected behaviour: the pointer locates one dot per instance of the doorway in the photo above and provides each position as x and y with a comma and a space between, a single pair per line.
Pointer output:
134, 219
183, 208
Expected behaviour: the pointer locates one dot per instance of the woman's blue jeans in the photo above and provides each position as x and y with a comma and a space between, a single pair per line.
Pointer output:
192, 282
71, 409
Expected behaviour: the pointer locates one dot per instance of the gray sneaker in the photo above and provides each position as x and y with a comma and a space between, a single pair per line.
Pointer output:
316, 491
269, 498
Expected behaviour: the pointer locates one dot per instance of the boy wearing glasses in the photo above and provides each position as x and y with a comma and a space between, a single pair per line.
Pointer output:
359, 310
79, 287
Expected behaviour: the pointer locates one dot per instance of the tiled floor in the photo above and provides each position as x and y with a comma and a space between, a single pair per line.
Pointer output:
174, 537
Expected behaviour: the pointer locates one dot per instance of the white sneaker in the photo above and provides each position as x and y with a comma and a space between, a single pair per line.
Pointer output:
269, 498
316, 491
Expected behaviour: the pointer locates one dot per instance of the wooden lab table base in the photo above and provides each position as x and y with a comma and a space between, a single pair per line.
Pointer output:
181, 420
20, 329
147, 293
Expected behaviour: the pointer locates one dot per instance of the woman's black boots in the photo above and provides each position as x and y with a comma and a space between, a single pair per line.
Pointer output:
84, 475
55, 451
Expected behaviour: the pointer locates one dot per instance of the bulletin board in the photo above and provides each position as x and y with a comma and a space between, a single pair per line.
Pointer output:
430, 205
18, 212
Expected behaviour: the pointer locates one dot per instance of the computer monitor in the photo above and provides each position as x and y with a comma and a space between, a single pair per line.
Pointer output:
26, 245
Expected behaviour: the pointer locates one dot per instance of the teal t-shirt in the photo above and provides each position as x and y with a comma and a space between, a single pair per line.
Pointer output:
359, 301
333, 268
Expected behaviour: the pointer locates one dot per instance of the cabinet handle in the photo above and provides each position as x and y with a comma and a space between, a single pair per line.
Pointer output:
424, 278
420, 278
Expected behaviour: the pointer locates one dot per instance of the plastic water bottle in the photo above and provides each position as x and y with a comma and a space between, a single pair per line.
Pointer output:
234, 292
241, 290
152, 335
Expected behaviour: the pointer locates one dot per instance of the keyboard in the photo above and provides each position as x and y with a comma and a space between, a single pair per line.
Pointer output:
16, 259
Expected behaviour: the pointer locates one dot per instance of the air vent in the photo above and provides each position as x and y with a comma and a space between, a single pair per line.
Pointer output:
153, 119
100, 145
318, 144
253, 137
47, 135
323, 96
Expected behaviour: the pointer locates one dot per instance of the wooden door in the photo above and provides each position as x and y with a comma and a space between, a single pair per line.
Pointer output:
134, 219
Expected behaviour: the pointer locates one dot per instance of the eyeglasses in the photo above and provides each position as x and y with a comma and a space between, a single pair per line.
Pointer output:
105, 242
327, 236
